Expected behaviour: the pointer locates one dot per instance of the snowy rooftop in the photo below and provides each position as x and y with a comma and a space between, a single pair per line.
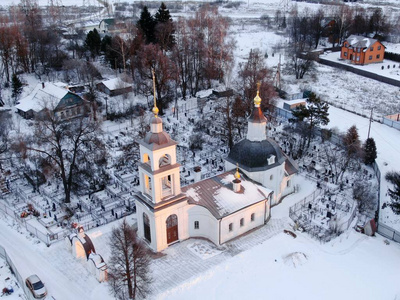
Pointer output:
115, 83
49, 95
360, 41
217, 195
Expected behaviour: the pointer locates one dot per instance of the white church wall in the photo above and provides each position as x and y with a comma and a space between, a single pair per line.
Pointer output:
161, 227
208, 225
258, 209
256, 132
77, 248
140, 209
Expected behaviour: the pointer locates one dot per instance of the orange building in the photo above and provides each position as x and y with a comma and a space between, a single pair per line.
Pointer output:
362, 50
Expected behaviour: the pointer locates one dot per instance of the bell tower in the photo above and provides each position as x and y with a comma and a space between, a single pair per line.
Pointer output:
159, 203
158, 172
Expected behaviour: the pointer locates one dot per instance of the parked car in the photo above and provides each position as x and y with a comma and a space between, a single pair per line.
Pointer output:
36, 286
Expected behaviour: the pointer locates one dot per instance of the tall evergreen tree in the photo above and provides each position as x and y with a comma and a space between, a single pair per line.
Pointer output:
394, 178
164, 28
162, 15
16, 86
315, 113
370, 153
93, 43
146, 25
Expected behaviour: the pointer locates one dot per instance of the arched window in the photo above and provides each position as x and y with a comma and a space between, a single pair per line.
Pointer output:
146, 225
165, 160
146, 158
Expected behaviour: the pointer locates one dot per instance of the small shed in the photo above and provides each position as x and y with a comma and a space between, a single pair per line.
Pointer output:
224, 93
290, 105
114, 87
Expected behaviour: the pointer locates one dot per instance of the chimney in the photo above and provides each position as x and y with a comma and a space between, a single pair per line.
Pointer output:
42, 85
197, 173
236, 182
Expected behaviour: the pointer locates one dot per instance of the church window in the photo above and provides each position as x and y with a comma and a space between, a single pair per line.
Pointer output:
288, 183
379, 47
230, 227
165, 160
241, 222
252, 217
147, 184
196, 225
146, 225
271, 160
271, 177
166, 186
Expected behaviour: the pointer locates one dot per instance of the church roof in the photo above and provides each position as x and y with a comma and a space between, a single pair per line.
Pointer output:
253, 156
216, 194
154, 141
257, 116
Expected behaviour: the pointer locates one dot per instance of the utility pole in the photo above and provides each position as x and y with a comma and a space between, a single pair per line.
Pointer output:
370, 121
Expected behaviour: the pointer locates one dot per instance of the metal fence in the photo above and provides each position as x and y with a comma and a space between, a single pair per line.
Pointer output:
4, 255
388, 232
391, 123
361, 72
316, 231
382, 229
45, 237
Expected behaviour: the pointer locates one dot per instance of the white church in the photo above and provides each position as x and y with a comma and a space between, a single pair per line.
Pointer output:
258, 174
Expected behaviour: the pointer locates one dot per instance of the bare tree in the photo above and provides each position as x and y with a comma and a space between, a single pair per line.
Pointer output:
74, 148
252, 72
365, 195
128, 269
5, 121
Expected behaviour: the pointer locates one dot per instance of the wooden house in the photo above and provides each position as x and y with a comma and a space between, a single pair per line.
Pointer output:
361, 50
54, 96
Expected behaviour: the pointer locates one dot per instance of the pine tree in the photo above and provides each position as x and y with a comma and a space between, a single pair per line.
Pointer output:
16, 86
163, 15
394, 178
315, 113
146, 25
351, 142
164, 28
370, 153
93, 43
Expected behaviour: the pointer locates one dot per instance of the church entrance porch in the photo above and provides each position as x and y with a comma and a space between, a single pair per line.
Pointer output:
172, 229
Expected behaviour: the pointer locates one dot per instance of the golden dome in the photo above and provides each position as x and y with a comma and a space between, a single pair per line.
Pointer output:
155, 111
237, 174
257, 99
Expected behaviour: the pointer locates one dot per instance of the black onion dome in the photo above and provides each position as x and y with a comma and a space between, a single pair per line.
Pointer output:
253, 156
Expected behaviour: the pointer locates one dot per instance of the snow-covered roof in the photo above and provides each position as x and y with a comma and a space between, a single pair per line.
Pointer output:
360, 41
49, 96
115, 84
217, 195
